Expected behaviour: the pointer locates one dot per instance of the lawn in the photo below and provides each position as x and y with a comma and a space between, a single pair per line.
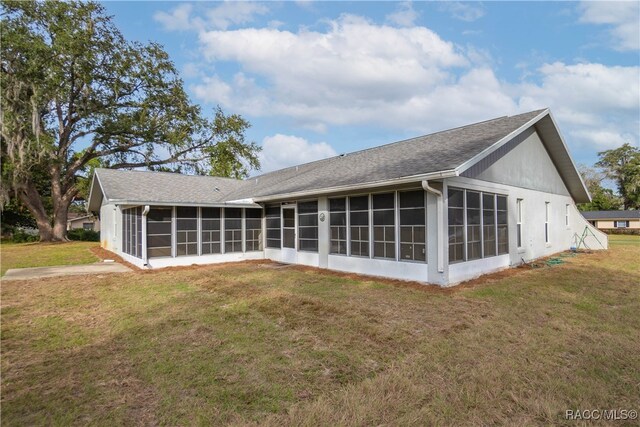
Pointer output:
21, 255
256, 344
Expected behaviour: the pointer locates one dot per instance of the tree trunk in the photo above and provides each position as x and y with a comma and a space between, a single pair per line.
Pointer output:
29, 195
60, 221
61, 200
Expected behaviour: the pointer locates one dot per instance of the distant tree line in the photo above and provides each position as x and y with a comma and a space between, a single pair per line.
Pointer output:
622, 167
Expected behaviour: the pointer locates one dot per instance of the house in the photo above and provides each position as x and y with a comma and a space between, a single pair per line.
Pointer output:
440, 208
614, 220
87, 222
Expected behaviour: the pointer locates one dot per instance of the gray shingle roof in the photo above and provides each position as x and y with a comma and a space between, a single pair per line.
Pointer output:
437, 152
432, 153
165, 187
611, 215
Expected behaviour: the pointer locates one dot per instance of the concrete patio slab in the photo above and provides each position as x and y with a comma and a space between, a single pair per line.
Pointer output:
64, 270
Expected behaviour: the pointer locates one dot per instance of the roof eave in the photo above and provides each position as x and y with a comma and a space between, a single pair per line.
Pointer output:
92, 193
566, 149
230, 204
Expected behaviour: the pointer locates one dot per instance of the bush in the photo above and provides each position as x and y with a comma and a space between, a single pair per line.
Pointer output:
24, 235
83, 235
625, 231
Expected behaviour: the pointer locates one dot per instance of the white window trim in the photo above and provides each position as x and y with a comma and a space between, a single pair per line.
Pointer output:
519, 222
547, 229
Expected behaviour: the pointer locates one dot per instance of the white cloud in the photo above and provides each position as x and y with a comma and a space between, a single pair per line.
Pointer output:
404, 16
597, 105
586, 94
281, 151
622, 16
600, 139
464, 11
356, 71
235, 12
179, 19
223, 16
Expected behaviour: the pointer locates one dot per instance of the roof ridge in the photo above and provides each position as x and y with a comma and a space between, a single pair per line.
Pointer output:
395, 142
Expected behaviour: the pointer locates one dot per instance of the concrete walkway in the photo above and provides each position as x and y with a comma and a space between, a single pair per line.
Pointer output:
64, 270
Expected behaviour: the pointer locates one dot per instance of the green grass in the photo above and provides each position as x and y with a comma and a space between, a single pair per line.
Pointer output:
248, 344
21, 255
621, 239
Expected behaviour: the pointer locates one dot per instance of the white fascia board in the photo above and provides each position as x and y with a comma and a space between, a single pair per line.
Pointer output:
104, 195
566, 148
233, 204
356, 187
240, 202
475, 159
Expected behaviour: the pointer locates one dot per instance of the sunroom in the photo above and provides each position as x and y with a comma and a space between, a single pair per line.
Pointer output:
159, 236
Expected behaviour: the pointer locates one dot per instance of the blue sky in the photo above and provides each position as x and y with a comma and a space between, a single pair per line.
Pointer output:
317, 79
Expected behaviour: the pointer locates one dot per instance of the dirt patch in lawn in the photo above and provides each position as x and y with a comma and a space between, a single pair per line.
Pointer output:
103, 254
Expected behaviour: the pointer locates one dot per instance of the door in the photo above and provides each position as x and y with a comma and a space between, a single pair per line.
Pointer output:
289, 234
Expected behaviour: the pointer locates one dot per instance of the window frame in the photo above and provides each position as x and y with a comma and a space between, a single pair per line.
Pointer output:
210, 232
299, 227
360, 227
399, 226
246, 230
453, 230
480, 241
178, 230
519, 222
462, 226
131, 231
345, 227
171, 234
267, 228
494, 224
547, 234
233, 231
499, 225
372, 226
617, 222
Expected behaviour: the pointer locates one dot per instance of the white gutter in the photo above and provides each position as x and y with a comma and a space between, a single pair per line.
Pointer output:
234, 204
356, 187
440, 220
145, 211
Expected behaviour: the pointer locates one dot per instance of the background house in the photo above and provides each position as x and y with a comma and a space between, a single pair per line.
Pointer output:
87, 222
614, 221
440, 208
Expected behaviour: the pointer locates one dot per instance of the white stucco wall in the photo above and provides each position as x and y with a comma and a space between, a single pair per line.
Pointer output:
204, 259
110, 227
403, 270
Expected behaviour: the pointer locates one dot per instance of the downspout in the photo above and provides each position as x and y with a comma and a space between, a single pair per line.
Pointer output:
440, 220
145, 211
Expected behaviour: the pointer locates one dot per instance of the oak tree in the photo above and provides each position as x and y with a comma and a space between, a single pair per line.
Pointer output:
75, 93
